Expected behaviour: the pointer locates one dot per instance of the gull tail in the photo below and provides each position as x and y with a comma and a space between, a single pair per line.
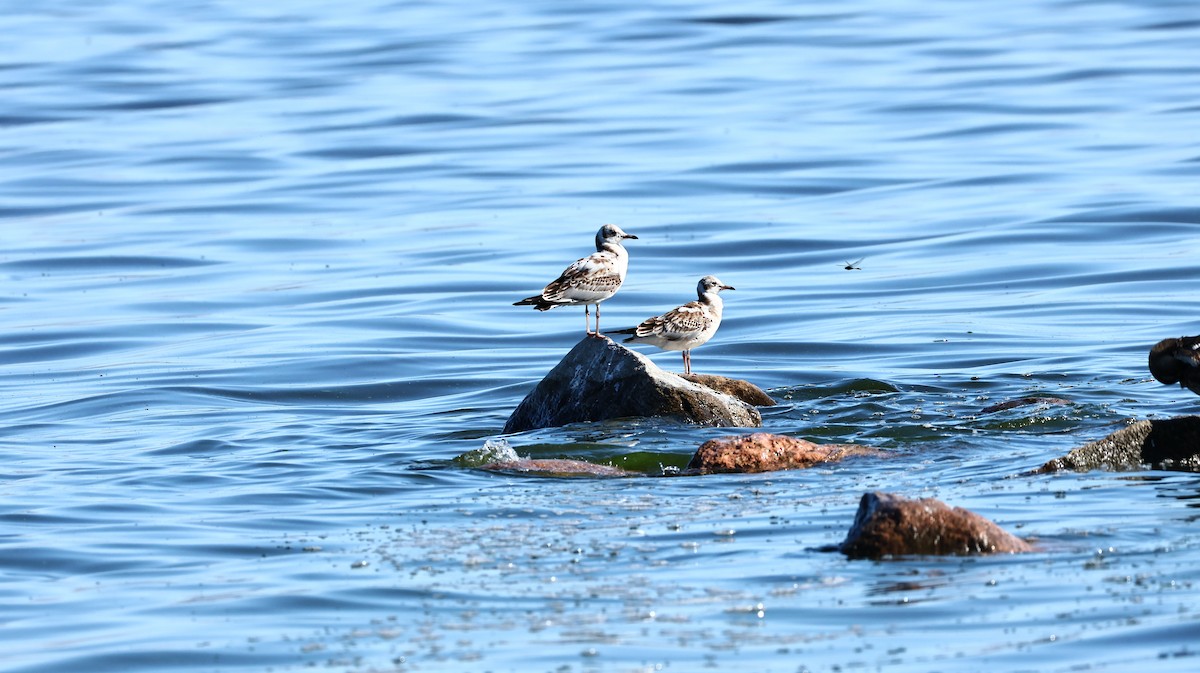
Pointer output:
537, 302
628, 330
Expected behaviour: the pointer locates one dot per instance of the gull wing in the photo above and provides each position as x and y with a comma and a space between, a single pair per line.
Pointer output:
594, 276
679, 323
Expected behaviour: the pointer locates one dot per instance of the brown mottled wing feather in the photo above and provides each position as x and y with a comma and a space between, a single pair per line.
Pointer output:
679, 323
594, 273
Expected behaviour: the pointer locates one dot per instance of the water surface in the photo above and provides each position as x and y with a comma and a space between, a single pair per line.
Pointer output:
257, 270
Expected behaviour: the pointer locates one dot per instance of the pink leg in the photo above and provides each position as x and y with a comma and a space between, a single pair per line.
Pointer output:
687, 362
598, 334
587, 320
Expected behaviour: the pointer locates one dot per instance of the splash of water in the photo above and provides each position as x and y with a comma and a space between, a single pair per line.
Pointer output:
492, 451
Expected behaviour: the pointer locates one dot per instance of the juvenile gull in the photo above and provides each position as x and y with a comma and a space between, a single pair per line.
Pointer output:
685, 327
590, 280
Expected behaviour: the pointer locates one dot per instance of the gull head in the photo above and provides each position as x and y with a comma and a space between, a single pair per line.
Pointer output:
610, 233
711, 284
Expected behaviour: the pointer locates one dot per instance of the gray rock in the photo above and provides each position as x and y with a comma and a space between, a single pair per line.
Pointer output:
1170, 443
600, 379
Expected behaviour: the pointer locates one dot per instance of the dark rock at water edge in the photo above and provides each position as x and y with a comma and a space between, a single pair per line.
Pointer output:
891, 525
1169, 443
600, 379
765, 452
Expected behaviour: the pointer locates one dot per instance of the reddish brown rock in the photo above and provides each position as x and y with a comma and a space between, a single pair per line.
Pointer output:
891, 525
556, 467
742, 390
765, 452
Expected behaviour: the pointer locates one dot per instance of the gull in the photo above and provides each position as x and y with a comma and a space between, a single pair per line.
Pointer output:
590, 280
685, 327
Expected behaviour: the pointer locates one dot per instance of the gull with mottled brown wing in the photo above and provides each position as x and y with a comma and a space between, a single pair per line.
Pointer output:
590, 280
685, 327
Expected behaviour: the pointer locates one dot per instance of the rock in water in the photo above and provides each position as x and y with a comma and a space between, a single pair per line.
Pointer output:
1169, 443
765, 452
743, 390
600, 379
891, 525
557, 467
1024, 402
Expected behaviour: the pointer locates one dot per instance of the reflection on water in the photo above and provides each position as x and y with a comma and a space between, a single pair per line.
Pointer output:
258, 265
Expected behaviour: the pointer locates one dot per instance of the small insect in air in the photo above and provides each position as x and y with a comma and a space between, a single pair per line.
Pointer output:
853, 266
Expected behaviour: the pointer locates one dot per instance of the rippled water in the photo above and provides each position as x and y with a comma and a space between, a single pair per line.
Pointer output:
258, 263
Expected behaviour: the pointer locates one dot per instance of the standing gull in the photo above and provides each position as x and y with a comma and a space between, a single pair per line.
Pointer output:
590, 280
685, 327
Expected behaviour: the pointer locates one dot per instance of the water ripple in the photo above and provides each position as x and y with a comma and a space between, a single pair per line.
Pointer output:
258, 269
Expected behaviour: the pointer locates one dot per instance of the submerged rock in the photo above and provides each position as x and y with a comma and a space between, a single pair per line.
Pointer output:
765, 452
891, 525
600, 379
557, 467
1169, 443
496, 455
1024, 402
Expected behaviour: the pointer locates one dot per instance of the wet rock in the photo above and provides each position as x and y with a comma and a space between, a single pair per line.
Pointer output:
743, 390
1177, 361
497, 455
1169, 443
557, 467
600, 379
1024, 402
891, 525
765, 452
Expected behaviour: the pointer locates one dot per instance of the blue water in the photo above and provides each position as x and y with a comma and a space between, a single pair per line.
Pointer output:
256, 271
